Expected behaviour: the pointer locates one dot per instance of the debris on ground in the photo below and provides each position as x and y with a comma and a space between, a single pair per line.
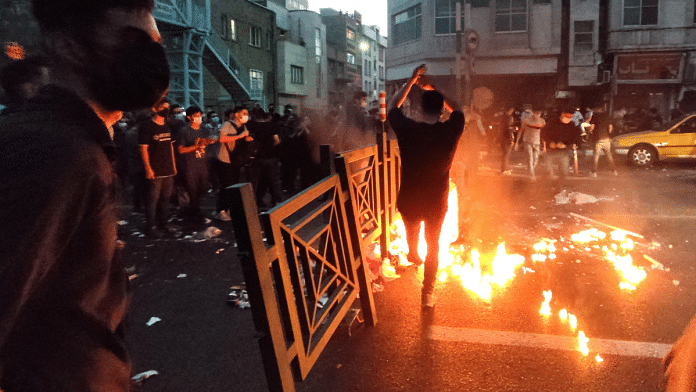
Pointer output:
140, 377
565, 197
152, 321
239, 297
180, 276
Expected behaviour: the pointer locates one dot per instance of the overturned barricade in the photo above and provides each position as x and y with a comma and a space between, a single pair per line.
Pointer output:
303, 260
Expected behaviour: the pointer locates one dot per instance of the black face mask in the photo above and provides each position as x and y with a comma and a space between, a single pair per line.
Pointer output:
130, 76
163, 112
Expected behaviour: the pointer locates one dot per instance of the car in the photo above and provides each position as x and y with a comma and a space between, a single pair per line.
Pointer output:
675, 140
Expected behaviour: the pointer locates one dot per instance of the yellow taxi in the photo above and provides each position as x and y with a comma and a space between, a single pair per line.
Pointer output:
676, 140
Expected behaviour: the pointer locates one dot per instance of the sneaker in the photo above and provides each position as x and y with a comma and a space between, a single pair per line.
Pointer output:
223, 216
427, 300
593, 175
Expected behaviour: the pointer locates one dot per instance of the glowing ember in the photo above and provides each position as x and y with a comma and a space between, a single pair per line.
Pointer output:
563, 315
599, 359
545, 308
573, 321
582, 343
388, 270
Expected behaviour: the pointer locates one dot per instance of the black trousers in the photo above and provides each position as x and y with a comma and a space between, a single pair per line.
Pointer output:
157, 204
227, 174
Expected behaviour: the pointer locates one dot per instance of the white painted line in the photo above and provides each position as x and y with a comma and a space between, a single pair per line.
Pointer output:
566, 343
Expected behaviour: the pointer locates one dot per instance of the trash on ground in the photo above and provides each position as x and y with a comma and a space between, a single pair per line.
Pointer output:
219, 251
676, 282
152, 321
180, 276
122, 223
239, 297
140, 377
566, 197
132, 277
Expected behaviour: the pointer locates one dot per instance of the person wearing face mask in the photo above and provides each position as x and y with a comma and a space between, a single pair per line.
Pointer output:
192, 141
63, 288
560, 137
226, 166
157, 150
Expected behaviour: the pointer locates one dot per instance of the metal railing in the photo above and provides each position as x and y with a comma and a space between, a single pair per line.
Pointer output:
185, 13
227, 58
303, 261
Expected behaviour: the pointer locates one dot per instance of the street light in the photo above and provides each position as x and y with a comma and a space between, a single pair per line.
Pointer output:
364, 46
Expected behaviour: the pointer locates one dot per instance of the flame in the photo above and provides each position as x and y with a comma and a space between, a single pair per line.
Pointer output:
545, 308
599, 359
573, 321
563, 315
582, 343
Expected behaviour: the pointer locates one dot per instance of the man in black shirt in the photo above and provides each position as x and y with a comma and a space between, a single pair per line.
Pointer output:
264, 171
427, 149
560, 137
157, 149
63, 289
601, 129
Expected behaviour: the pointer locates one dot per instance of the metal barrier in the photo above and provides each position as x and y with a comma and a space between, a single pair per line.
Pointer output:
303, 260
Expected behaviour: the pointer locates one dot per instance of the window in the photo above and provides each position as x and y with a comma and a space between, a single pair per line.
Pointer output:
446, 16
640, 12
296, 75
229, 29
367, 86
583, 35
510, 15
256, 84
317, 42
350, 34
406, 25
255, 36
350, 58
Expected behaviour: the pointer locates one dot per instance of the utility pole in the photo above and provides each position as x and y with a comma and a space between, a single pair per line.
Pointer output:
563, 60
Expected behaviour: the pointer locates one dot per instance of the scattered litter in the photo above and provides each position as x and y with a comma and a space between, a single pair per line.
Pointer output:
140, 377
149, 245
338, 366
532, 208
207, 234
132, 277
130, 270
207, 221
676, 282
322, 301
220, 251
655, 263
377, 288
574, 197
122, 223
525, 270
239, 297
152, 321
180, 276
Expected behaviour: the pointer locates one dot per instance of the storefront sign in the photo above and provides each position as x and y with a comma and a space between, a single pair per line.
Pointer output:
649, 68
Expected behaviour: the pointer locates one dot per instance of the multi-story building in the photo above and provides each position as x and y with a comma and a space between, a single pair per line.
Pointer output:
625, 54
519, 45
343, 52
242, 68
302, 65
372, 47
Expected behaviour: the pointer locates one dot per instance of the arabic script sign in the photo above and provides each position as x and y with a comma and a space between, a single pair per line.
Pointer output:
657, 67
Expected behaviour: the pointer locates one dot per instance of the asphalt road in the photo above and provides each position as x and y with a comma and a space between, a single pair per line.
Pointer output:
465, 343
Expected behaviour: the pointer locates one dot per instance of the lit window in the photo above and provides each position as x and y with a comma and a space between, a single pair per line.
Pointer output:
256, 84
350, 34
350, 58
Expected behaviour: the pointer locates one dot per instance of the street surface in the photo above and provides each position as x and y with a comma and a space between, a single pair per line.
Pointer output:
466, 343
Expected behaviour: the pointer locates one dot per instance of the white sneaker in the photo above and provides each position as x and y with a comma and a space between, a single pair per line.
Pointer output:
223, 216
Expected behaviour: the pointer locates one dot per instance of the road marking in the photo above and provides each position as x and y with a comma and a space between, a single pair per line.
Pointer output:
566, 343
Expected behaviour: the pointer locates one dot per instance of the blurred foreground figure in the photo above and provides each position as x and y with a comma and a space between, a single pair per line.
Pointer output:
427, 149
680, 363
21, 81
63, 290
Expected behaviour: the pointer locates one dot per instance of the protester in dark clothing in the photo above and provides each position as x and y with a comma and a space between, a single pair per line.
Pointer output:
63, 289
506, 139
157, 149
136, 169
560, 138
291, 141
22, 79
193, 138
601, 129
427, 149
264, 171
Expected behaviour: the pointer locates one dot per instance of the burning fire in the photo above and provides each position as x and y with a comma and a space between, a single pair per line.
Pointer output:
480, 273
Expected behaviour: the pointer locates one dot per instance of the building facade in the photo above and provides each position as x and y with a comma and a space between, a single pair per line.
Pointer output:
302, 65
373, 48
344, 57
